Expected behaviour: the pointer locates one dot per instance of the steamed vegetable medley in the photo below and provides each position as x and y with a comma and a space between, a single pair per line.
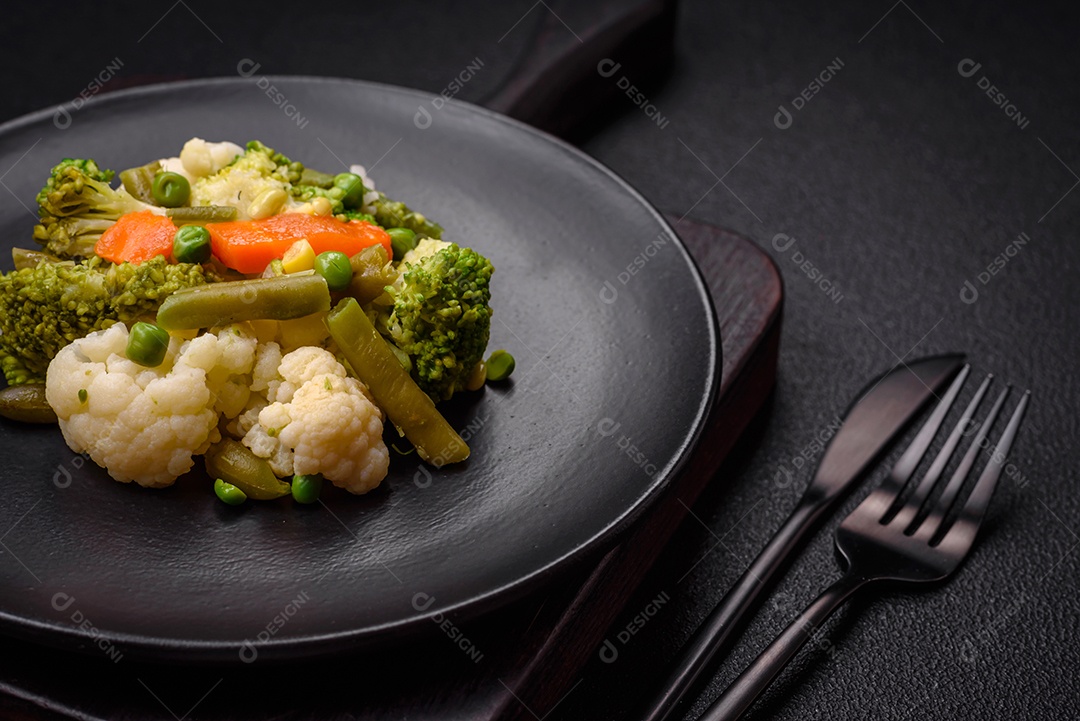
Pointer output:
233, 304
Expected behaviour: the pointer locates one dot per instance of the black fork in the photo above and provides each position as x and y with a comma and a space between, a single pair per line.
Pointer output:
891, 538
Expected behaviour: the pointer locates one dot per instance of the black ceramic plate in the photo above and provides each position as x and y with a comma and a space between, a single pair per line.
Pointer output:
618, 358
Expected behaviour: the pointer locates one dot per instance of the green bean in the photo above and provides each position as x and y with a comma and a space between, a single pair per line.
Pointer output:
229, 493
25, 258
408, 407
306, 489
352, 185
234, 463
191, 244
26, 403
202, 214
500, 365
139, 182
334, 267
402, 240
371, 274
214, 304
171, 190
147, 344
310, 176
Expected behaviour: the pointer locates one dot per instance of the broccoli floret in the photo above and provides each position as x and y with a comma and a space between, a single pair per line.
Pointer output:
356, 215
57, 178
441, 317
42, 309
77, 205
315, 184
304, 193
284, 169
395, 214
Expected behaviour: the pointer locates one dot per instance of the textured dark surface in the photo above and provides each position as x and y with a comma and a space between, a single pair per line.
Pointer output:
900, 180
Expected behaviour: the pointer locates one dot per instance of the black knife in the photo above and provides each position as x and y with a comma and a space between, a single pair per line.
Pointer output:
878, 414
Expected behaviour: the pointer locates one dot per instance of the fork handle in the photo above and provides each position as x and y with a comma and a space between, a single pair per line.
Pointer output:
720, 626
758, 675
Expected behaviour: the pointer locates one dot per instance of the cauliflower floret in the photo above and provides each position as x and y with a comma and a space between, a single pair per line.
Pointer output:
267, 360
201, 158
145, 424
299, 367
318, 421
257, 437
229, 378
237, 185
426, 248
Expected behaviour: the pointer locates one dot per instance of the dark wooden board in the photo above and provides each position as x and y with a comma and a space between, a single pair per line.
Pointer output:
748, 295
533, 650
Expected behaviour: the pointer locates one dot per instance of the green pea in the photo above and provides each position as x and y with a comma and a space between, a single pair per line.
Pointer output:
305, 489
499, 366
229, 493
353, 186
402, 240
171, 190
191, 244
334, 267
147, 344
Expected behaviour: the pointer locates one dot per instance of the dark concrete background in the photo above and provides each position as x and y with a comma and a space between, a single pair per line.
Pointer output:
898, 181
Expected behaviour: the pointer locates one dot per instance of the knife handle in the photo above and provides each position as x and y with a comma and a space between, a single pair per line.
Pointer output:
758, 675
557, 85
718, 629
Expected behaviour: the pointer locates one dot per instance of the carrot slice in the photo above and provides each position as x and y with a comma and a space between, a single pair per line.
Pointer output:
136, 238
249, 245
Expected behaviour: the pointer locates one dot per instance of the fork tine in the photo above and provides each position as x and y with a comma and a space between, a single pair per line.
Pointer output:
945, 501
962, 533
909, 461
911, 507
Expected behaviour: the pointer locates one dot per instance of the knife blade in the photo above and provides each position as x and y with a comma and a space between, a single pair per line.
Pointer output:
873, 420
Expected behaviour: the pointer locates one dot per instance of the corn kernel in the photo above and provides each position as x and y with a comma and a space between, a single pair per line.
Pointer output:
300, 256
321, 206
